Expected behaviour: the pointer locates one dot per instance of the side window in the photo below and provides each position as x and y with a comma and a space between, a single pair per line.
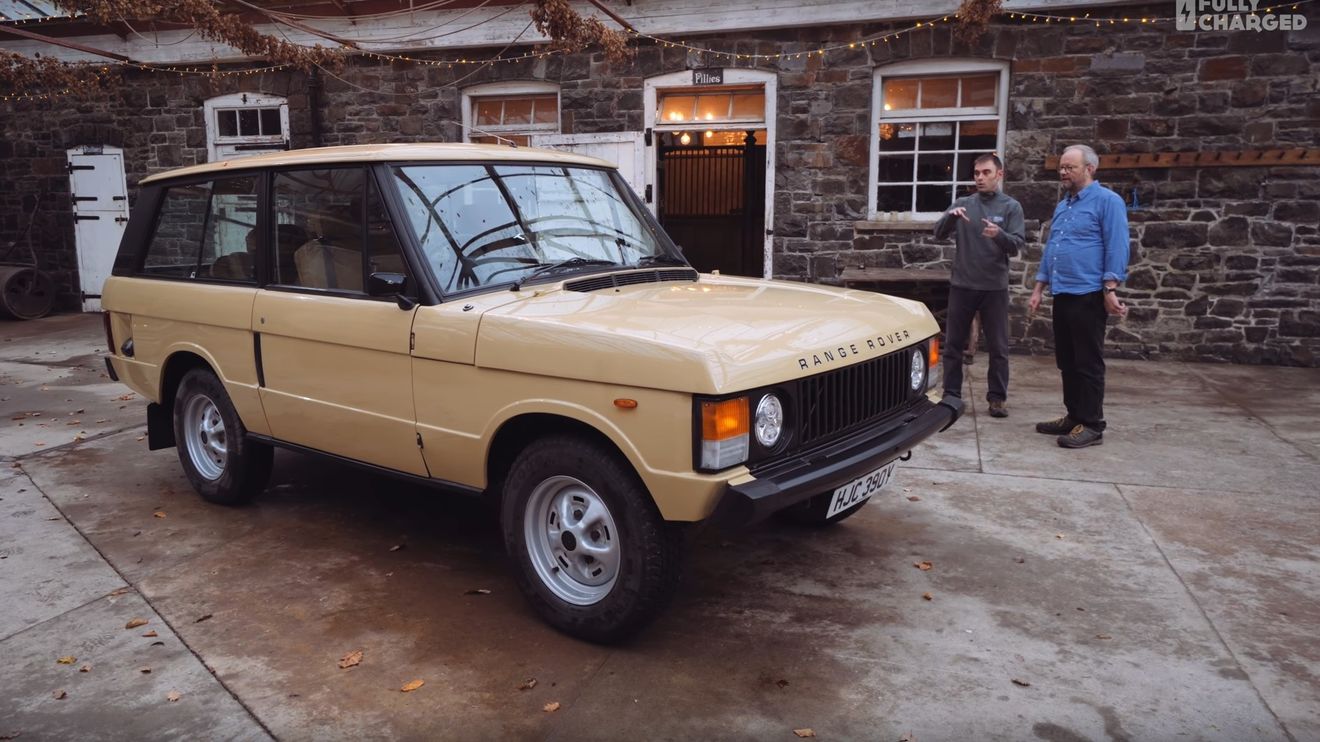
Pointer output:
318, 237
206, 230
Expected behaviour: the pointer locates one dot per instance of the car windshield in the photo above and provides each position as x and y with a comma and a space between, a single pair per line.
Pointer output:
486, 225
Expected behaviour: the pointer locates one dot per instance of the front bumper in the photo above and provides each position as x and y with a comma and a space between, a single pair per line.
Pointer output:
789, 482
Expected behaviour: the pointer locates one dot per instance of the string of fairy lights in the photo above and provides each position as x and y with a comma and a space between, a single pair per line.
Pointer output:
822, 52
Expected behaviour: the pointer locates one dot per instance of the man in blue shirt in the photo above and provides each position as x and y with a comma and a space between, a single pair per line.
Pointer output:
1084, 262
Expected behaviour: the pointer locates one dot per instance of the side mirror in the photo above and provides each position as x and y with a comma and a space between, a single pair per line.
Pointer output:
390, 284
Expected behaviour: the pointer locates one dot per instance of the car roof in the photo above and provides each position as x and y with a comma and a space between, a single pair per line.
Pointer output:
366, 153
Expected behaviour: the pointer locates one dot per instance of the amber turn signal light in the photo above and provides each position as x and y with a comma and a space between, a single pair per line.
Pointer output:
933, 356
723, 420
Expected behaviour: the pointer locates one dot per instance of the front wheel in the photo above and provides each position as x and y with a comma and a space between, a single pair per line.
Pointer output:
591, 552
221, 463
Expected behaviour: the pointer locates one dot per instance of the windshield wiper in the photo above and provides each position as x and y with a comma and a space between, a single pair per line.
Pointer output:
561, 265
660, 259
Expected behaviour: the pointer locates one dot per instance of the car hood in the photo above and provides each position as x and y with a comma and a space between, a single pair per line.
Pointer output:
716, 335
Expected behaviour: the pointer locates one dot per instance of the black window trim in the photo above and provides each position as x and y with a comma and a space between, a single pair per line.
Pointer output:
152, 200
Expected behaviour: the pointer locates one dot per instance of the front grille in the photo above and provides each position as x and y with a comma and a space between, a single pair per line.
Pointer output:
836, 402
614, 280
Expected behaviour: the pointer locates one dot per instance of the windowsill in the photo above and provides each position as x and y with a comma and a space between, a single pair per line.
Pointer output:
906, 224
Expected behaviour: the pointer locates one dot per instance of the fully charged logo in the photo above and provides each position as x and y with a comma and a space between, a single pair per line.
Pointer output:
1235, 15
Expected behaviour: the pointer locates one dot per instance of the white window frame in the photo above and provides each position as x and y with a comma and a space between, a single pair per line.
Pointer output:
510, 90
931, 68
243, 101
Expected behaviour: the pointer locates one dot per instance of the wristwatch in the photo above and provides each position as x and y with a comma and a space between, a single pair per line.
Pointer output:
1111, 289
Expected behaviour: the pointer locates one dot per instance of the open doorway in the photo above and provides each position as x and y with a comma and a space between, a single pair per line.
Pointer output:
710, 163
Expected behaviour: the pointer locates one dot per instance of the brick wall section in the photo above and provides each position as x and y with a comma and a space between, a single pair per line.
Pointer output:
1225, 261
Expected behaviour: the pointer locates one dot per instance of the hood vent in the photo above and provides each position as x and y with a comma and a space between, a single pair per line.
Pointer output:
615, 280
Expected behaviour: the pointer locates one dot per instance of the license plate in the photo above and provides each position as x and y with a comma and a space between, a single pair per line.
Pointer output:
860, 489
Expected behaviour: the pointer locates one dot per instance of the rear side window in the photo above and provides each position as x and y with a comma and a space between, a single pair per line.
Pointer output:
206, 231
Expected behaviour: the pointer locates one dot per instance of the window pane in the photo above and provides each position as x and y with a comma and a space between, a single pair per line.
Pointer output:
935, 167
978, 134
893, 198
966, 166
546, 110
713, 107
936, 136
749, 106
247, 123
897, 137
488, 112
176, 245
326, 208
899, 94
934, 197
677, 107
895, 169
517, 111
228, 121
270, 122
939, 92
979, 90
229, 242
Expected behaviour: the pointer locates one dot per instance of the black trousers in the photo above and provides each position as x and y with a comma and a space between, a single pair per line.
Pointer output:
963, 305
1079, 337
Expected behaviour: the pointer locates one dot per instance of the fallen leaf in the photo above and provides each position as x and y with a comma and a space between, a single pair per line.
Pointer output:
77, 412
85, 668
909, 737
66, 660
923, 566
781, 683
927, 596
1023, 683
207, 617
1103, 636
159, 513
136, 622
142, 437
913, 498
528, 684
352, 659
60, 695
1058, 535
1021, 560
412, 686
120, 591
396, 547
173, 696
478, 591
804, 732
551, 707
144, 670
151, 634
124, 397
158, 644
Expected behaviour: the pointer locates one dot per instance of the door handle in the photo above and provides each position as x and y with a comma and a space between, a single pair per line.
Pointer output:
83, 217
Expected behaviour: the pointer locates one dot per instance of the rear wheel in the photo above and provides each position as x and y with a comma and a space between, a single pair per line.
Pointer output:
592, 554
220, 462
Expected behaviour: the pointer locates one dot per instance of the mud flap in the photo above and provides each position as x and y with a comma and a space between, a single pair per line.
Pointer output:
160, 427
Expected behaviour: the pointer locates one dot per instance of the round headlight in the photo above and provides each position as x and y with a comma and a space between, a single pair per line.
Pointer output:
769, 420
918, 369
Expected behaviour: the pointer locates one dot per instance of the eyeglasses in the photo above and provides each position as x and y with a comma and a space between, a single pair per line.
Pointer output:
1069, 168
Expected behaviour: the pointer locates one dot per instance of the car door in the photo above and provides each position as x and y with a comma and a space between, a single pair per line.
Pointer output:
335, 364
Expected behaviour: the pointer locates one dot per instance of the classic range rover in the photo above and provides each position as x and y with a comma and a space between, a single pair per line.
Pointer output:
511, 324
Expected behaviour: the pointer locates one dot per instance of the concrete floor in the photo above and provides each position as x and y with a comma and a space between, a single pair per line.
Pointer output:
1165, 585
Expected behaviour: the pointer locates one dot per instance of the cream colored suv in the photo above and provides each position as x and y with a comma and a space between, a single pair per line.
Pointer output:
512, 324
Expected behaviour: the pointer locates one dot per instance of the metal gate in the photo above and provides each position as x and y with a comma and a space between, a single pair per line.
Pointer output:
712, 202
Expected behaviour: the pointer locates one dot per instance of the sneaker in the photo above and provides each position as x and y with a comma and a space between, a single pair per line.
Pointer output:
998, 408
1056, 427
1081, 437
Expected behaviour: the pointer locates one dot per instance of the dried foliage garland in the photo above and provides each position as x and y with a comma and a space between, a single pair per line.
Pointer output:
569, 31
974, 18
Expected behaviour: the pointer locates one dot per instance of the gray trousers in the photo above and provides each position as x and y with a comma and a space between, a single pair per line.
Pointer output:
963, 305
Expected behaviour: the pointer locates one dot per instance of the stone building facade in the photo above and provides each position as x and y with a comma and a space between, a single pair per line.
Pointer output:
1225, 261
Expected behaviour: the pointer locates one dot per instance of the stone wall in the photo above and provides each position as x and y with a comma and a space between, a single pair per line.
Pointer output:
1225, 260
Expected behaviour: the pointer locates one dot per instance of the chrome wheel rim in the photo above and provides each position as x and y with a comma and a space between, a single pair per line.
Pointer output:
571, 540
204, 436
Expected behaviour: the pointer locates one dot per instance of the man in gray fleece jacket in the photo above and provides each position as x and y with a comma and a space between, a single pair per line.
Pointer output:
989, 229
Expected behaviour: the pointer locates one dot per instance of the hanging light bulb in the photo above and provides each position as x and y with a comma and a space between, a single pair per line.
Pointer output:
684, 139
709, 134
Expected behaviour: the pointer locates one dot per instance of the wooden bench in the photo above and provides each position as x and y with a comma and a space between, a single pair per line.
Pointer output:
854, 277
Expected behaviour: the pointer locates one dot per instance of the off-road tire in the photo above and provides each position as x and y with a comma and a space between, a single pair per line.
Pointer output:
650, 551
238, 474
